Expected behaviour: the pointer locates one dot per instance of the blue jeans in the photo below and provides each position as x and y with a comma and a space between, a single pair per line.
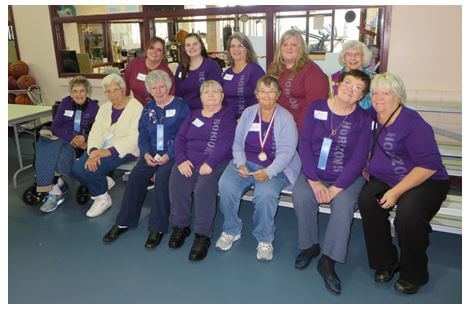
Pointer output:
342, 208
97, 181
52, 156
265, 199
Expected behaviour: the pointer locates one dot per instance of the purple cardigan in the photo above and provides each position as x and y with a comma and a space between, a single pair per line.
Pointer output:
62, 125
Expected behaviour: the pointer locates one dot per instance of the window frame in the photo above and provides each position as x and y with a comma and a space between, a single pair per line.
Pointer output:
148, 14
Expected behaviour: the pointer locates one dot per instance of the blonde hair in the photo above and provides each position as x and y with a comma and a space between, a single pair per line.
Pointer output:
211, 83
390, 81
278, 66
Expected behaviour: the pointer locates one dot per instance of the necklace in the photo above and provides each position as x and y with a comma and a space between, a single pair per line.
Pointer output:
333, 131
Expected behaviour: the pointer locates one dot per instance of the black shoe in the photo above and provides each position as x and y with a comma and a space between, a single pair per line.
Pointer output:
406, 287
383, 276
113, 234
154, 238
306, 256
326, 268
178, 237
200, 247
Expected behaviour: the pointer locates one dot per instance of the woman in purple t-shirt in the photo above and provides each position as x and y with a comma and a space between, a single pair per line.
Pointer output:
240, 79
194, 69
405, 168
202, 151
333, 147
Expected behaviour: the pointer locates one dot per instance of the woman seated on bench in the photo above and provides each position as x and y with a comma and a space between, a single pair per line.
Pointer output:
333, 147
112, 142
55, 149
159, 124
265, 157
202, 151
405, 169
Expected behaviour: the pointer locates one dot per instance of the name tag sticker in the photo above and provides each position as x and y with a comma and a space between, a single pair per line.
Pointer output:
180, 75
321, 115
141, 76
69, 113
255, 127
197, 122
170, 113
228, 77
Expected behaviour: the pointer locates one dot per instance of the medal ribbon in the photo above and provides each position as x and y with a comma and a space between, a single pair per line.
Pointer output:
264, 139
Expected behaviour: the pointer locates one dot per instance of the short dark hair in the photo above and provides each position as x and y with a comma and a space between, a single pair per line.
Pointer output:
361, 75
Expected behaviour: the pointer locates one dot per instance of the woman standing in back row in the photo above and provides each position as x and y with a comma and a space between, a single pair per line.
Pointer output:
240, 79
302, 81
139, 67
194, 69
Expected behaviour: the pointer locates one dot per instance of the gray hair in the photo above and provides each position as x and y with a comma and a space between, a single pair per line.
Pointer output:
354, 44
155, 75
114, 78
211, 83
80, 80
392, 82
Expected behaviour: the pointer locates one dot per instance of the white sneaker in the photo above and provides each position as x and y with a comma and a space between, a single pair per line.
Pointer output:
225, 241
264, 251
100, 205
110, 183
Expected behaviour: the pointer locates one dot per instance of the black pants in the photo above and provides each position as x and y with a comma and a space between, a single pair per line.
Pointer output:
415, 209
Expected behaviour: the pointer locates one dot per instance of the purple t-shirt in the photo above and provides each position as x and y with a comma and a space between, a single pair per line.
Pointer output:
189, 88
116, 113
239, 88
252, 143
206, 140
349, 148
408, 142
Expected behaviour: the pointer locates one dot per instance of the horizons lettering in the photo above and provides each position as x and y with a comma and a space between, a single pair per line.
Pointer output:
213, 137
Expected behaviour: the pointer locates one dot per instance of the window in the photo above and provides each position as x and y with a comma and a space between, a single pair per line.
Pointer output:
105, 33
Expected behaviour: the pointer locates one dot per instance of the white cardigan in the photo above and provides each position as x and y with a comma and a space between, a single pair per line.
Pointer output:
125, 130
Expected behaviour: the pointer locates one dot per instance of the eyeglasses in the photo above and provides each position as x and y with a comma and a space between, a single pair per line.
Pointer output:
354, 87
353, 55
265, 93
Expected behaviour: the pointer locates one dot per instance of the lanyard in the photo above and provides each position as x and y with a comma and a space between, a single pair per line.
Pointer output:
375, 135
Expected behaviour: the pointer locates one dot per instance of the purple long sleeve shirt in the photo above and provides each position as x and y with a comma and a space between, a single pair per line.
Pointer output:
406, 143
189, 88
239, 88
206, 140
63, 123
349, 149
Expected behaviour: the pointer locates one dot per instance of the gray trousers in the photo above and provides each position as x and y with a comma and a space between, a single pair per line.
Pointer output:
343, 206
205, 195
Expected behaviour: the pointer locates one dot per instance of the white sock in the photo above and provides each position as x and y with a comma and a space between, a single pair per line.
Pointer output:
55, 190
101, 196
60, 182
121, 227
